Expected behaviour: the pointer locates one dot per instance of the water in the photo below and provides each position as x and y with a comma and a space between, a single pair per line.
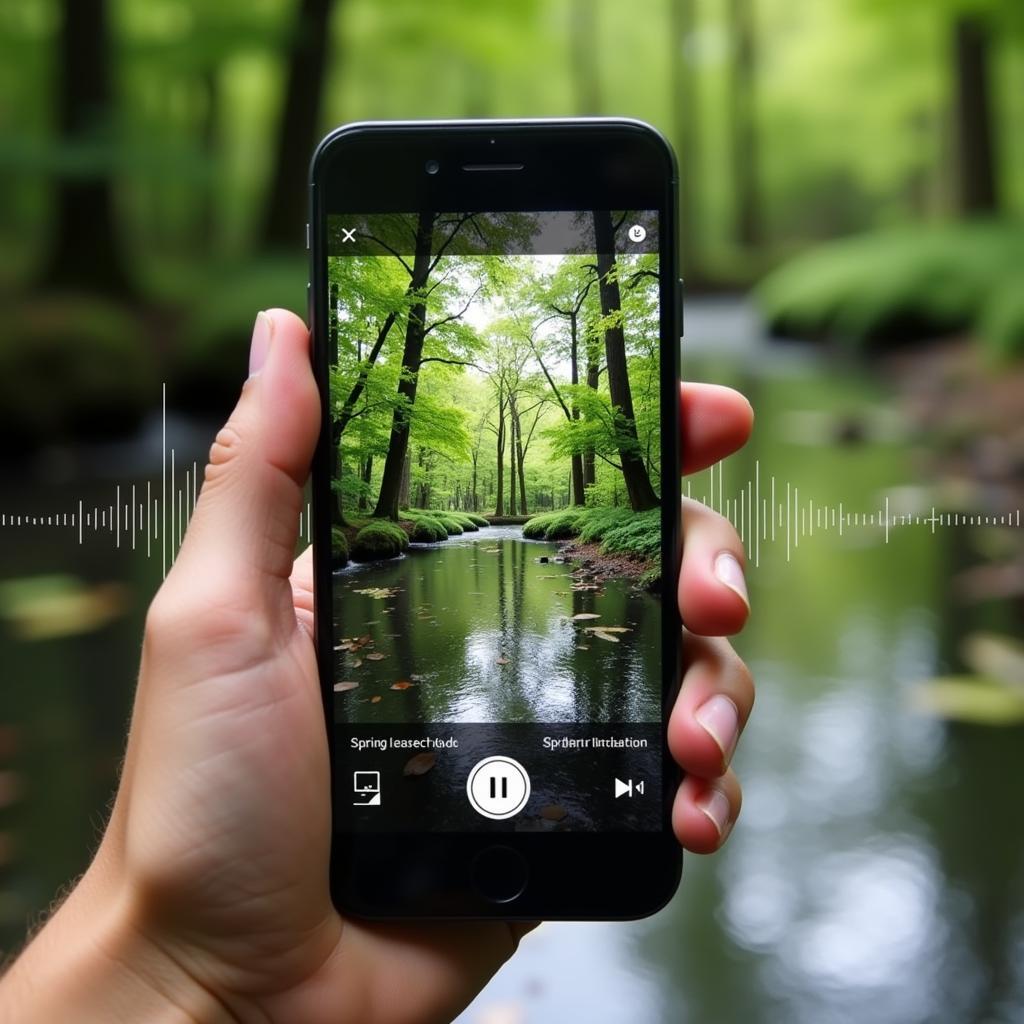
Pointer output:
486, 631
877, 871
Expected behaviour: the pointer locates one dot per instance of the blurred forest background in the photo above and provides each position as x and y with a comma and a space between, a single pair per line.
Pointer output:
852, 225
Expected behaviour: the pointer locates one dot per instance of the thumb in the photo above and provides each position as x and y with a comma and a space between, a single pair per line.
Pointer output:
238, 550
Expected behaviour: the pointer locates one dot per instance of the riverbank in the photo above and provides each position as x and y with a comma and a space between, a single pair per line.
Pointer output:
609, 542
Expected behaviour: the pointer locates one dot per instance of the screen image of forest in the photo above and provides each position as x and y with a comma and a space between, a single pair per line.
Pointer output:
495, 447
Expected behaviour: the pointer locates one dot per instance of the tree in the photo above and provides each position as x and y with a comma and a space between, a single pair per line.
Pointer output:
300, 119
85, 252
975, 149
634, 472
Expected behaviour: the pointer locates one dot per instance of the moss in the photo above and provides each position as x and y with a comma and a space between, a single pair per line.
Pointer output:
72, 366
889, 287
339, 547
453, 526
465, 521
479, 520
426, 530
596, 522
639, 535
379, 539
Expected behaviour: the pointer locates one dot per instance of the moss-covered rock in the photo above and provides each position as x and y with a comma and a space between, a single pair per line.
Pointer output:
479, 520
380, 539
464, 520
559, 525
339, 547
427, 531
72, 366
453, 526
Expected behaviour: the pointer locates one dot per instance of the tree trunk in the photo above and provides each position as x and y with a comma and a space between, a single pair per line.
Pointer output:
390, 485
518, 457
634, 473
593, 378
578, 494
743, 124
85, 252
512, 454
475, 497
299, 125
367, 475
499, 502
975, 147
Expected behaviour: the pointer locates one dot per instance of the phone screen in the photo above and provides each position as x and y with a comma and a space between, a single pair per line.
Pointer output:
497, 620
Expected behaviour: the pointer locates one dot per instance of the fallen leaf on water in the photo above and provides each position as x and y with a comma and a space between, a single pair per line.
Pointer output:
343, 687
379, 593
375, 656
601, 635
583, 647
971, 699
503, 661
372, 622
376, 700
991, 654
553, 812
585, 615
402, 684
419, 764
357, 663
608, 629
346, 646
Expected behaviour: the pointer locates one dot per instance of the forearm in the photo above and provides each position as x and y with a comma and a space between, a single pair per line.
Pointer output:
92, 962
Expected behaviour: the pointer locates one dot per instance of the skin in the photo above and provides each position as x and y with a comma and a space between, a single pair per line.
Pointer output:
207, 899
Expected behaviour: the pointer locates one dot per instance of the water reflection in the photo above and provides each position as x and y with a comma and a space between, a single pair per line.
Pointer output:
485, 629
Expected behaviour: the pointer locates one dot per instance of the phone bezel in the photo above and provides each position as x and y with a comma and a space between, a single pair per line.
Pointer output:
579, 163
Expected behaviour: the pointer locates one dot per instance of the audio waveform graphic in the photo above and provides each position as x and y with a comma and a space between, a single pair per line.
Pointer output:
764, 511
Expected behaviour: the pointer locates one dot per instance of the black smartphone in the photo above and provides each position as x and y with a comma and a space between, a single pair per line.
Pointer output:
496, 318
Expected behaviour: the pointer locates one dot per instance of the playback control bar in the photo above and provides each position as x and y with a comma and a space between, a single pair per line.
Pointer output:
473, 777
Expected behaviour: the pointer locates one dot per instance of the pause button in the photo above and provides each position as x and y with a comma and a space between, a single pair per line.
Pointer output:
498, 787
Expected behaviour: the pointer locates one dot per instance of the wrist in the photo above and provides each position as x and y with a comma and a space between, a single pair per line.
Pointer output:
95, 961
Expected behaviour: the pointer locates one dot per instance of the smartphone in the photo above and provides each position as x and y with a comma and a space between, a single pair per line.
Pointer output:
496, 319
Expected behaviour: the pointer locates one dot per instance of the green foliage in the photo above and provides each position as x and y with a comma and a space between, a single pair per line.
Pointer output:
339, 547
379, 539
598, 521
72, 366
639, 535
427, 531
479, 520
892, 287
466, 521
1002, 320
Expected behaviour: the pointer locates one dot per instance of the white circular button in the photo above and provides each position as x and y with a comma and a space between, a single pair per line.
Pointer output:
498, 787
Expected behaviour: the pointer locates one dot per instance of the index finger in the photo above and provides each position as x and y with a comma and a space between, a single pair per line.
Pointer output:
716, 421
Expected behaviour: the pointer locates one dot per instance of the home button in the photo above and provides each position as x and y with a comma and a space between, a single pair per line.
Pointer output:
500, 874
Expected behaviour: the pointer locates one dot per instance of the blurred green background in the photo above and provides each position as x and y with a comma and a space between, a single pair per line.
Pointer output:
851, 218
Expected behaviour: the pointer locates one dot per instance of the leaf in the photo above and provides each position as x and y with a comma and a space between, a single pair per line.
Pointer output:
970, 699
1000, 657
344, 687
420, 764
601, 635
583, 647
502, 661
375, 656
608, 629
376, 700
346, 646
585, 615
554, 812
378, 593
358, 663
402, 684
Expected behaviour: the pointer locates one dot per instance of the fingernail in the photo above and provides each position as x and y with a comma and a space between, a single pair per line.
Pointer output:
715, 804
262, 332
729, 572
721, 721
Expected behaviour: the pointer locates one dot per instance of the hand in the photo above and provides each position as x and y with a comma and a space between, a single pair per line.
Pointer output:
208, 897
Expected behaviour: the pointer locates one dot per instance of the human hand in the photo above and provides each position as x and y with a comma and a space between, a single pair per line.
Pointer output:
208, 897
